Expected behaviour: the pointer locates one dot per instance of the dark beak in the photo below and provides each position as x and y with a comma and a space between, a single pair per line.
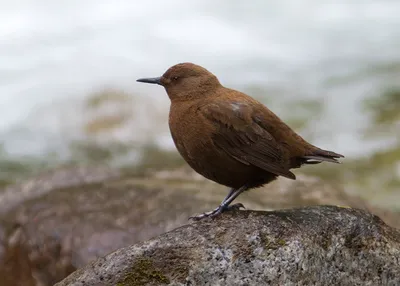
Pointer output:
154, 80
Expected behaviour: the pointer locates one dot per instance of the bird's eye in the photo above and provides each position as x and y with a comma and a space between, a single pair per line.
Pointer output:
175, 78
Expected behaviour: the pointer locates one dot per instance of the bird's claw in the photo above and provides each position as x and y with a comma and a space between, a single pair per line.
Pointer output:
236, 207
217, 211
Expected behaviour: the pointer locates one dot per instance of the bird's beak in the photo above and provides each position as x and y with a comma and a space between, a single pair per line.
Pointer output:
154, 80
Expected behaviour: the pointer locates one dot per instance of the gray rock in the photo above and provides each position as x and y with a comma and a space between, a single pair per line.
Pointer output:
322, 245
61, 220
42, 184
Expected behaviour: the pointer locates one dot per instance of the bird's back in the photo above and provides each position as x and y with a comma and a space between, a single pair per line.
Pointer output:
268, 120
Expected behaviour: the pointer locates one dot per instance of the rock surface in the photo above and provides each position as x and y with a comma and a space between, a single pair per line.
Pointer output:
14, 195
60, 221
306, 246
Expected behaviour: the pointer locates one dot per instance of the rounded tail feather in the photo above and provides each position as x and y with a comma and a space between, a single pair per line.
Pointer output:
319, 155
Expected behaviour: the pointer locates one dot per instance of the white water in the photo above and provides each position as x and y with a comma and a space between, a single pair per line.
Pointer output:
53, 53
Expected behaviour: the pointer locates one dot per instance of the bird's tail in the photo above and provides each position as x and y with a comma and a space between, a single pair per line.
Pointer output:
318, 155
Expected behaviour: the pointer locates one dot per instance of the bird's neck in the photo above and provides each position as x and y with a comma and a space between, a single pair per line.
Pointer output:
197, 94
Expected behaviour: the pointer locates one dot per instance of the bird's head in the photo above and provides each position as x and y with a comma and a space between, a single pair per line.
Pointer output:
185, 81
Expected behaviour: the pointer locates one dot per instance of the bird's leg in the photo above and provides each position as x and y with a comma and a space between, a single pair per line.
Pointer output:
225, 205
231, 191
206, 214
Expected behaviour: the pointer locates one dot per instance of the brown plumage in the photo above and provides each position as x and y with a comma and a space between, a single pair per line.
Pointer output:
229, 137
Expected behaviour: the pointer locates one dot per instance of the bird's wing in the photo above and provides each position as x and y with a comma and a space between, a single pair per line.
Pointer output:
240, 136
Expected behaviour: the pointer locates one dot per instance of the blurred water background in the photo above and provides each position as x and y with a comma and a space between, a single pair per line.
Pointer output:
68, 95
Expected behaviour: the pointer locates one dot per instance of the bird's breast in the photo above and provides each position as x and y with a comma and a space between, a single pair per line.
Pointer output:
191, 134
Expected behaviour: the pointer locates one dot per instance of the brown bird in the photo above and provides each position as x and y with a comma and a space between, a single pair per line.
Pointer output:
228, 136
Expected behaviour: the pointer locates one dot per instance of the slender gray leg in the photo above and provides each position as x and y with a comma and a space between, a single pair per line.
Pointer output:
231, 191
225, 204
206, 214
233, 194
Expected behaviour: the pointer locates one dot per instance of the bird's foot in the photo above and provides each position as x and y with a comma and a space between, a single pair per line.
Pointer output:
220, 209
234, 207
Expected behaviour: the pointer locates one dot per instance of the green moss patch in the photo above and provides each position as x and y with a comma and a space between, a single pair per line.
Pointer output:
144, 272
